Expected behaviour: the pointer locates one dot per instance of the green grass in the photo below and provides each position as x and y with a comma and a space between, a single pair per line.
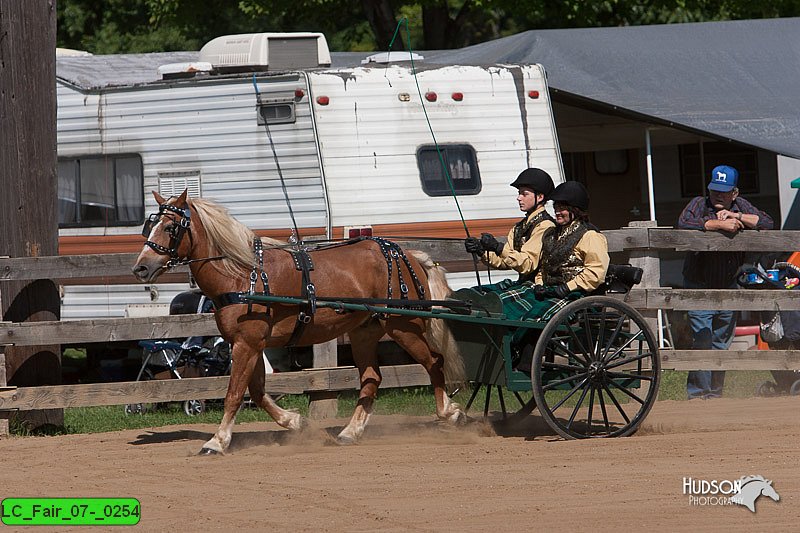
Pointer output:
409, 401
738, 384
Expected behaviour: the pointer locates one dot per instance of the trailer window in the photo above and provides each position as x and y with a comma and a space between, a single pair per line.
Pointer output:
462, 166
276, 113
100, 191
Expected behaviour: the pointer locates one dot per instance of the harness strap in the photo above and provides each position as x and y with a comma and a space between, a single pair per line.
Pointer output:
258, 269
393, 253
230, 298
303, 263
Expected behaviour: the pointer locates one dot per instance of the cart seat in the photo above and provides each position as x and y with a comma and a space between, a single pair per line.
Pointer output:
620, 279
154, 346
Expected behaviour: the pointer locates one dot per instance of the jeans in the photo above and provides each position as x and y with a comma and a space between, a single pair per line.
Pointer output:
711, 330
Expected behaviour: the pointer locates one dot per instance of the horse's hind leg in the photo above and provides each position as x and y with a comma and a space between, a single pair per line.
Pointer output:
245, 359
409, 334
364, 343
284, 418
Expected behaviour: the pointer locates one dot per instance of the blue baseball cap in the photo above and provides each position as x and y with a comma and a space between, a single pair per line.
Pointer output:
723, 179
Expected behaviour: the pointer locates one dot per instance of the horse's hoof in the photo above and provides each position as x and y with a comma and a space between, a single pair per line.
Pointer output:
345, 440
459, 418
302, 425
208, 451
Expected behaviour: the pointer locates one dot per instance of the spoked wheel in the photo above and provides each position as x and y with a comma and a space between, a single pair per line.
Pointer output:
596, 369
194, 407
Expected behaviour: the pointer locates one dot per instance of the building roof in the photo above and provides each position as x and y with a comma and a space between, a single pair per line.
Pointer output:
736, 80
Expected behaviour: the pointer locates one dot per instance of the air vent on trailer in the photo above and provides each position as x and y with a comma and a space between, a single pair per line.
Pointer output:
267, 51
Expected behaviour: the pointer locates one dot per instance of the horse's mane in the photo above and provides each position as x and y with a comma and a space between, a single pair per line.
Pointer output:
227, 236
748, 479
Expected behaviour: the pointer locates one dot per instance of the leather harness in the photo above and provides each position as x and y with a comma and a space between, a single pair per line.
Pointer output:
392, 253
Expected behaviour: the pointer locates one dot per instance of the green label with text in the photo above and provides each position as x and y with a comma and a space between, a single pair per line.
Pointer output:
74, 511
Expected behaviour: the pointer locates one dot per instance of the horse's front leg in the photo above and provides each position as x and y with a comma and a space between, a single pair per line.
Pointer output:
258, 394
245, 359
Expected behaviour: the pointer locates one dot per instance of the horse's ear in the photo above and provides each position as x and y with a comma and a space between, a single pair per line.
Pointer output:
182, 198
159, 199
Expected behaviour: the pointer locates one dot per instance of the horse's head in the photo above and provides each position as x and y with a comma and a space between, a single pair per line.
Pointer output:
165, 231
768, 490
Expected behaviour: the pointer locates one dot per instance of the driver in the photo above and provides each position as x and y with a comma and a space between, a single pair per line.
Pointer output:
523, 248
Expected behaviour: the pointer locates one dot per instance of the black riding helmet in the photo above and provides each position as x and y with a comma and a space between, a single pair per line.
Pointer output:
571, 193
536, 179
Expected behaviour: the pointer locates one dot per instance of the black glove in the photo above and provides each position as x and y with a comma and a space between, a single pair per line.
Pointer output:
560, 291
473, 245
490, 244
540, 292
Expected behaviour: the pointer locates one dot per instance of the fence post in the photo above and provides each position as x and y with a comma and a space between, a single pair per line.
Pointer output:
324, 404
4, 429
29, 203
3, 414
648, 261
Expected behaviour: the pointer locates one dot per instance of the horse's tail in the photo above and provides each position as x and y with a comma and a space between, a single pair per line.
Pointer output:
439, 336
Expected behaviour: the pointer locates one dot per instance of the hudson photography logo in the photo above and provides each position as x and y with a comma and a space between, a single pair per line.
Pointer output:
743, 491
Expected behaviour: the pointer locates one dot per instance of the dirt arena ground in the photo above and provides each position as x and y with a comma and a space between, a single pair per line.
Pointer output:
413, 474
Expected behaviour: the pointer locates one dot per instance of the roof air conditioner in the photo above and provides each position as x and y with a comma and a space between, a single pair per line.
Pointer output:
267, 51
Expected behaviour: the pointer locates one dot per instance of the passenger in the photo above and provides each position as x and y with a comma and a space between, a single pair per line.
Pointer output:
574, 254
723, 210
522, 250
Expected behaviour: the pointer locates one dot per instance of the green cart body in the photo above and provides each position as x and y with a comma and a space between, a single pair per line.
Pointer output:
594, 364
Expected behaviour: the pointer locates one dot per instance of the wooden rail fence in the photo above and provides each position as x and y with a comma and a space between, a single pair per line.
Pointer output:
643, 242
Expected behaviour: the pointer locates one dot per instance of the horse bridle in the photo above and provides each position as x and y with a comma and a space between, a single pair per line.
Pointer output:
176, 233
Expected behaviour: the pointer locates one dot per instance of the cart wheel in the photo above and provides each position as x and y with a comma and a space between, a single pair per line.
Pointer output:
768, 389
590, 362
795, 388
194, 407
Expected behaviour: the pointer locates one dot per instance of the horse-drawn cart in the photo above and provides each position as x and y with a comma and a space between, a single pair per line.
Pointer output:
593, 366
587, 363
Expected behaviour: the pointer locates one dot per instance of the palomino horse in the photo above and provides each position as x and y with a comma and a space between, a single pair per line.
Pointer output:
220, 251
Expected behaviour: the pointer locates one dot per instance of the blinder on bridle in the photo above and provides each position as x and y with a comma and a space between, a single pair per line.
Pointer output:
176, 231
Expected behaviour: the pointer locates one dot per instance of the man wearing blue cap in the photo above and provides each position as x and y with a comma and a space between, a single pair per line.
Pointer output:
723, 210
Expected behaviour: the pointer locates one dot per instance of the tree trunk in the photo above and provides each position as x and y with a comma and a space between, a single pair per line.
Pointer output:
28, 207
436, 26
380, 15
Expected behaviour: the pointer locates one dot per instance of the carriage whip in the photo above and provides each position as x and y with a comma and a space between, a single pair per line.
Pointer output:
295, 233
404, 21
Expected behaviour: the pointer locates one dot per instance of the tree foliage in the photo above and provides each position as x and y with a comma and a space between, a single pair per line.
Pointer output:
116, 26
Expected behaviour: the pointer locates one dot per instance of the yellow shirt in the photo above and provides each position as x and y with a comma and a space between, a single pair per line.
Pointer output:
526, 260
592, 249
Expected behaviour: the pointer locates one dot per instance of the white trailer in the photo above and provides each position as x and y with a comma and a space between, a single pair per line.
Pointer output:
354, 144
